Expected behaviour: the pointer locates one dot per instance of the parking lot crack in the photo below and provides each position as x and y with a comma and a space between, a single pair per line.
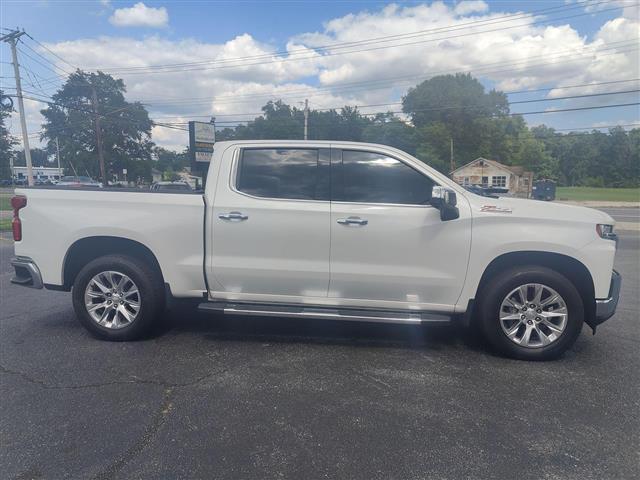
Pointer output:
133, 381
158, 419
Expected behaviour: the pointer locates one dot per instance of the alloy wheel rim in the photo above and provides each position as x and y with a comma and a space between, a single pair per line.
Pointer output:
533, 315
112, 300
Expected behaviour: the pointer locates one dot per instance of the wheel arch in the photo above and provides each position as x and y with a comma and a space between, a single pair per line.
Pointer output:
568, 266
87, 249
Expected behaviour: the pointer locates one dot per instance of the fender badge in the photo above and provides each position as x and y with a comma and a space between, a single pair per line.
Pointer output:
495, 209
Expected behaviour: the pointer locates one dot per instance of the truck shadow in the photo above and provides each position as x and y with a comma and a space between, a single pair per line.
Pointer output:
314, 331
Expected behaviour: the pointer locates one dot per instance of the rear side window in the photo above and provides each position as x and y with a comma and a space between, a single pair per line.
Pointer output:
286, 173
369, 177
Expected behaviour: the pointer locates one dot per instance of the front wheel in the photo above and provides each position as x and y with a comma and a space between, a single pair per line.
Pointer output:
531, 313
117, 297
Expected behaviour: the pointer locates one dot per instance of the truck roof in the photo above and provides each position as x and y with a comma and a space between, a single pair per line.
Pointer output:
301, 143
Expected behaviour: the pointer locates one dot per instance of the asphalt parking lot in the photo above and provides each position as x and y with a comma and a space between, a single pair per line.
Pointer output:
210, 397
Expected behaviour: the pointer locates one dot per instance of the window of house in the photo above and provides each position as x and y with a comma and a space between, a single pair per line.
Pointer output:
465, 181
485, 181
286, 173
499, 181
368, 177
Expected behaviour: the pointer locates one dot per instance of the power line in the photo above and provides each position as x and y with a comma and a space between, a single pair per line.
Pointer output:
449, 107
44, 65
482, 69
167, 68
330, 54
514, 114
595, 128
511, 114
620, 92
353, 43
334, 88
101, 115
44, 58
52, 52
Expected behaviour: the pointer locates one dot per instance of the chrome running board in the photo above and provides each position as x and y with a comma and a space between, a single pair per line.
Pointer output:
325, 313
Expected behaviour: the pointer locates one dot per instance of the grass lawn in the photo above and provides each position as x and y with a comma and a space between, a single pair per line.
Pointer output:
593, 193
5, 224
5, 201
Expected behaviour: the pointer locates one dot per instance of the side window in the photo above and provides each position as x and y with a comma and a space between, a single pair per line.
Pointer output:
286, 173
369, 177
499, 181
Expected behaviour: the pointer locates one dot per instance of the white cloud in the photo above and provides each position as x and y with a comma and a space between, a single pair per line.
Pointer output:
471, 6
140, 16
529, 56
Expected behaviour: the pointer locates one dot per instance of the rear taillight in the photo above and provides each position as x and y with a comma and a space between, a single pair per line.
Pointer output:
17, 203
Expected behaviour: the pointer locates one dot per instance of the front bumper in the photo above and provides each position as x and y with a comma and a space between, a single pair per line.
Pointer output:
27, 273
606, 307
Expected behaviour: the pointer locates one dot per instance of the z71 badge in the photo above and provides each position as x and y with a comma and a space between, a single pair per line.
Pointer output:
495, 209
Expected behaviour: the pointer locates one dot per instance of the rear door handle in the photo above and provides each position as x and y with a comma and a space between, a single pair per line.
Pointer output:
353, 221
233, 216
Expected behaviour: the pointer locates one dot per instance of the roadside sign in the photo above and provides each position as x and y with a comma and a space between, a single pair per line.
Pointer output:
202, 136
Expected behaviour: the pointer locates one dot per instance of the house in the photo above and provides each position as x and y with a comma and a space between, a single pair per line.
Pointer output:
490, 173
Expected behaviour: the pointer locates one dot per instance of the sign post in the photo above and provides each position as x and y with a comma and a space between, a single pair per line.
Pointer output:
202, 136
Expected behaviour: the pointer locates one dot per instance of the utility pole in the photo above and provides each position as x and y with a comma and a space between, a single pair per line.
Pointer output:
58, 155
306, 119
453, 163
12, 39
96, 116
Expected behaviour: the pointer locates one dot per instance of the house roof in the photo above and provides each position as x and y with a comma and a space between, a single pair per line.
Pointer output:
514, 169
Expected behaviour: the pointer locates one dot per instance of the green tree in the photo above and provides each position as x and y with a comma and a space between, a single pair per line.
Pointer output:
454, 100
457, 107
169, 160
279, 122
434, 146
39, 158
125, 127
459, 103
283, 122
533, 156
388, 129
7, 142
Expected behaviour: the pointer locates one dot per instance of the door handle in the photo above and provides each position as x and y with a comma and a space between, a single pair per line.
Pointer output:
352, 221
233, 216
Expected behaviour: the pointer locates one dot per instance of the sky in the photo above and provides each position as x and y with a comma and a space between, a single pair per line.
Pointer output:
189, 60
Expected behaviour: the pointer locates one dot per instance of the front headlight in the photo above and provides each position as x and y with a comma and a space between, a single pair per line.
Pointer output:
605, 231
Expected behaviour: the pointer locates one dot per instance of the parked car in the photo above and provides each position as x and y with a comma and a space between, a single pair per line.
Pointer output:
80, 181
485, 191
171, 187
334, 230
44, 181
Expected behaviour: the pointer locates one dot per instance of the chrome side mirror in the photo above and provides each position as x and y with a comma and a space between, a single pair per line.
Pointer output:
445, 200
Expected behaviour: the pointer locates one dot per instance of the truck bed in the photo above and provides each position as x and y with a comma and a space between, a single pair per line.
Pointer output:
169, 224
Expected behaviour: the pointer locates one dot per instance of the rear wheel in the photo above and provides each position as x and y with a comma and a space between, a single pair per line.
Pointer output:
531, 313
117, 297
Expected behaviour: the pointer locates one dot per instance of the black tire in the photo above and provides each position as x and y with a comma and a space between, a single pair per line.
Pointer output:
151, 296
493, 293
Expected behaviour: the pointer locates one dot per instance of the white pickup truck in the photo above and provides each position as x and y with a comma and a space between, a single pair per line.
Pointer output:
333, 230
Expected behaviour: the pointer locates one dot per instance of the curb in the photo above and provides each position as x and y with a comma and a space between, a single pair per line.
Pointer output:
600, 203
